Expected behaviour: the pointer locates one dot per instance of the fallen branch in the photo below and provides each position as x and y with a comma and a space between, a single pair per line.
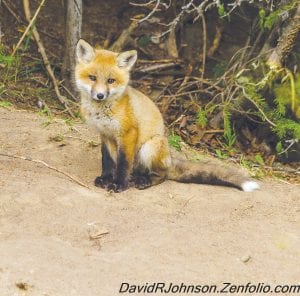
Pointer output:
42, 50
123, 38
204, 49
142, 4
156, 67
48, 166
31, 22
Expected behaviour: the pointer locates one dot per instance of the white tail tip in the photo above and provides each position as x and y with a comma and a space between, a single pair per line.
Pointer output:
249, 186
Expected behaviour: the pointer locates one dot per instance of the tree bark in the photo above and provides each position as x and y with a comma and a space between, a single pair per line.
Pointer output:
72, 35
286, 42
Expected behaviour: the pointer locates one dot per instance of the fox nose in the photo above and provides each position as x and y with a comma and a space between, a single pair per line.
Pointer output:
100, 96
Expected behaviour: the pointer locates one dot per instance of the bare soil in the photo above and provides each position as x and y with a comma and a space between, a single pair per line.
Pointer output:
60, 238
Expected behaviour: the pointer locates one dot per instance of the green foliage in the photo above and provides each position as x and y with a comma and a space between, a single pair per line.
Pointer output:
219, 69
69, 121
2, 89
255, 172
279, 147
10, 65
229, 135
144, 41
45, 112
262, 16
259, 159
174, 141
267, 21
221, 10
286, 128
5, 104
284, 93
282, 124
221, 155
6, 60
27, 40
202, 118
246, 163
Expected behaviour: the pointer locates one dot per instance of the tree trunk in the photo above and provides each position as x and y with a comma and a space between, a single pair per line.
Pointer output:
72, 35
286, 42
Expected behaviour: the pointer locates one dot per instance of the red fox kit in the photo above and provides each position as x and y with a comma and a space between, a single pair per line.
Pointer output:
132, 130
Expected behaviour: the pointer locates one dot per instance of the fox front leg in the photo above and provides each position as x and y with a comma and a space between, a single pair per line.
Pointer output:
120, 183
108, 168
125, 158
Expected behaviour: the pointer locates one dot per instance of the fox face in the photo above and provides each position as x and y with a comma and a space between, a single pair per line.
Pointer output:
102, 74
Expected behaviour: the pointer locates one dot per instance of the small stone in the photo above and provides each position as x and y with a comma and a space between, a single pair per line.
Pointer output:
246, 258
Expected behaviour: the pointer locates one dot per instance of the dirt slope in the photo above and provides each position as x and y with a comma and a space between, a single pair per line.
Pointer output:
173, 232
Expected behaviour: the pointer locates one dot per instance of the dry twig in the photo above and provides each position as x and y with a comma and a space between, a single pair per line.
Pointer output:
31, 22
156, 67
48, 166
42, 50
151, 13
10, 10
216, 42
204, 47
123, 38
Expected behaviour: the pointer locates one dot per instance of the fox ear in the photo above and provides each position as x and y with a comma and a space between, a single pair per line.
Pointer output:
127, 59
84, 51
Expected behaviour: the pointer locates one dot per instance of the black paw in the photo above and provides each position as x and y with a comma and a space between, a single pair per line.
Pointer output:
116, 187
142, 182
103, 181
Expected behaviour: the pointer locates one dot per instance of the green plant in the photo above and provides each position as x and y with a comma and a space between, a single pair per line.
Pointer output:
267, 20
2, 89
277, 113
259, 159
10, 64
45, 111
219, 69
247, 164
221, 10
229, 135
69, 121
287, 94
6, 60
221, 155
255, 172
5, 104
279, 147
202, 118
174, 141
287, 128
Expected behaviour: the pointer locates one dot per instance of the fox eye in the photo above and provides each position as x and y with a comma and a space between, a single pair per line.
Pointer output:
111, 80
92, 77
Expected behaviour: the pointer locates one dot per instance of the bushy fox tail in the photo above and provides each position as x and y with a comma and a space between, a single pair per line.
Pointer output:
210, 172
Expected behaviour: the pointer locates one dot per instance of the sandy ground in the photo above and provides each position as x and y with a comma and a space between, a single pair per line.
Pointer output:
59, 238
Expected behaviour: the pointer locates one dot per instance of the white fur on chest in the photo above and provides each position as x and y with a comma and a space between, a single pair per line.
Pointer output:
104, 124
100, 119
